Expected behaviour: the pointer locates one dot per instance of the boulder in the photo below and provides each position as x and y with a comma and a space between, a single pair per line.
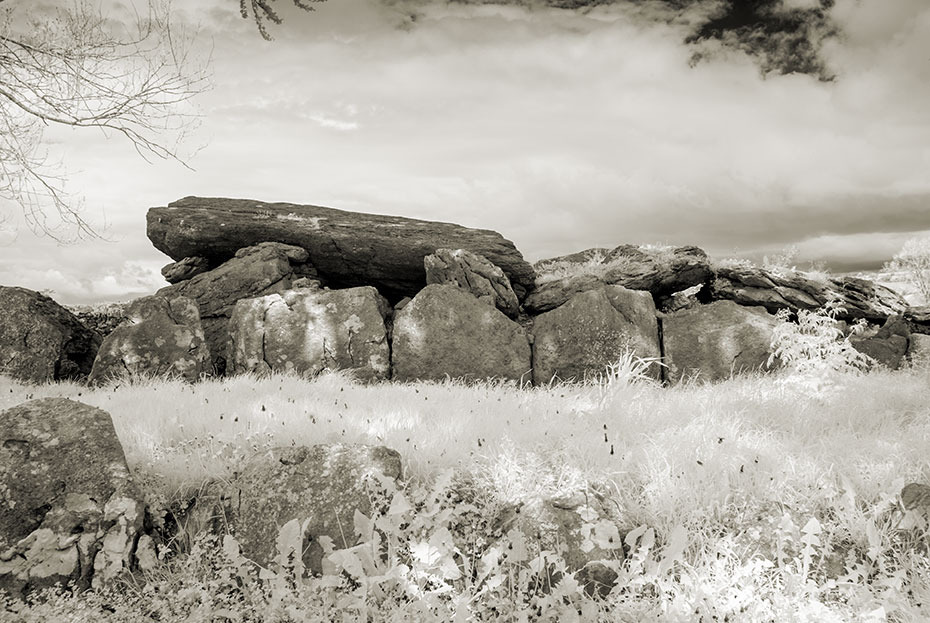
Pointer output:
579, 529
310, 330
716, 340
918, 319
889, 346
748, 285
185, 269
445, 331
475, 274
161, 336
918, 352
69, 510
349, 248
581, 257
324, 484
265, 268
40, 340
662, 272
592, 330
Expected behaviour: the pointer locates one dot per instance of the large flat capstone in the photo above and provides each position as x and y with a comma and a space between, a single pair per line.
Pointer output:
348, 248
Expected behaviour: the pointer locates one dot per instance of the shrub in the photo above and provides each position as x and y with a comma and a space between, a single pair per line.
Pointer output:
814, 350
914, 260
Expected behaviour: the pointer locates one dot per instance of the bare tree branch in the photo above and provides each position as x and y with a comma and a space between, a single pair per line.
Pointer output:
80, 69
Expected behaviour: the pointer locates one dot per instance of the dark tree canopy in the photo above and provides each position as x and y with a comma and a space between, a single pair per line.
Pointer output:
784, 40
262, 12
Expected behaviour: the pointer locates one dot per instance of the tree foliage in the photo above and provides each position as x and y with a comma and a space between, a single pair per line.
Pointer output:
914, 260
262, 12
79, 68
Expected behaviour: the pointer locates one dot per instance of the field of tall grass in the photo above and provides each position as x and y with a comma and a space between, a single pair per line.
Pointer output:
761, 498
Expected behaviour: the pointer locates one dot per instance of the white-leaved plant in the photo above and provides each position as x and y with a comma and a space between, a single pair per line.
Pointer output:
814, 350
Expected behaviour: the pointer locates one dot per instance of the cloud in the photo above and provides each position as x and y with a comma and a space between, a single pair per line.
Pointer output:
117, 281
562, 129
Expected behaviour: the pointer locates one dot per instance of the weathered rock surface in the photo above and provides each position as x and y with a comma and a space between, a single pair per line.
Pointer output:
161, 336
324, 484
68, 509
580, 530
445, 331
579, 257
309, 330
716, 340
472, 273
185, 269
918, 319
102, 318
349, 248
757, 286
889, 346
592, 330
265, 268
661, 272
918, 352
40, 340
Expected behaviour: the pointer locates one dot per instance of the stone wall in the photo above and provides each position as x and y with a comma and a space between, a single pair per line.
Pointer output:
460, 303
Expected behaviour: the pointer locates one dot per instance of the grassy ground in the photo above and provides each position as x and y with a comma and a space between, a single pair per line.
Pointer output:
756, 499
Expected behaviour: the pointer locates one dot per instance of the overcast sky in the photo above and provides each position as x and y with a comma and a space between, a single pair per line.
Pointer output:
563, 129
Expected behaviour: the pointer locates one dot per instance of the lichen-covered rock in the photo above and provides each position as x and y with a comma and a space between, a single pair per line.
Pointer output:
40, 340
660, 271
161, 336
185, 269
889, 345
716, 340
324, 484
593, 330
311, 330
349, 248
472, 273
68, 507
579, 529
446, 332
860, 298
262, 269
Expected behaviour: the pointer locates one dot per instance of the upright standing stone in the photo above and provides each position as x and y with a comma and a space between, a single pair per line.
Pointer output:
254, 271
717, 340
311, 330
446, 332
161, 336
593, 330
